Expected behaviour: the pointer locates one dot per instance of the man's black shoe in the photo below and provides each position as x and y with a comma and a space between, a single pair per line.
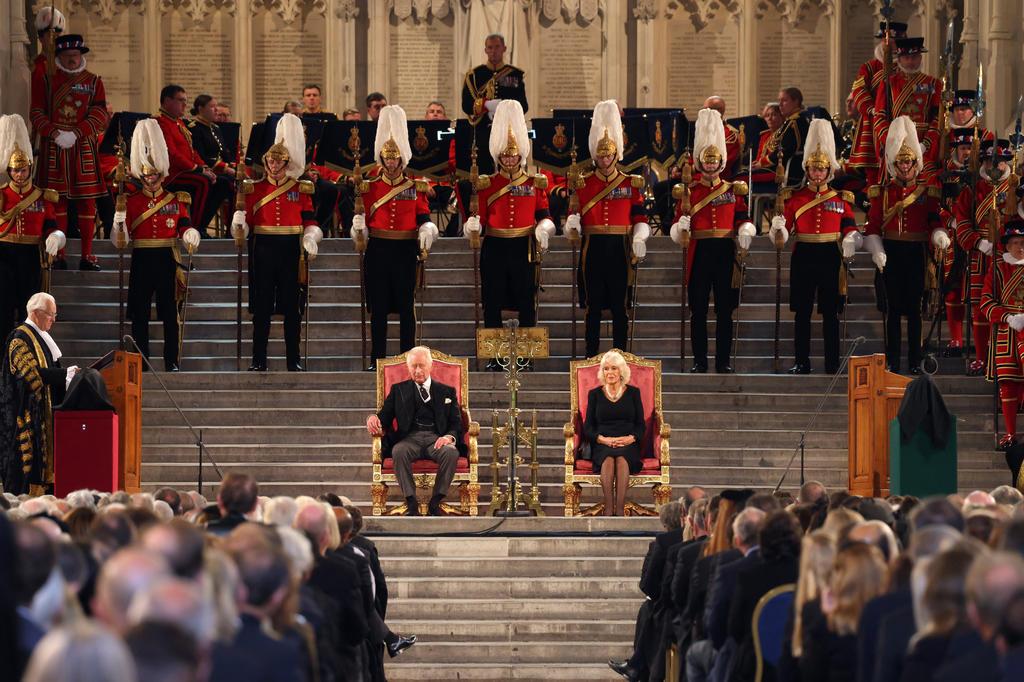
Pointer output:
171, 367
698, 368
258, 366
724, 369
59, 264
400, 644
372, 367
434, 506
412, 507
87, 265
296, 367
799, 368
492, 366
625, 669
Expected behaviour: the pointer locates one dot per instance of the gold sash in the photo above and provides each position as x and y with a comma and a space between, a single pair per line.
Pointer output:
9, 216
507, 188
146, 215
394, 192
609, 188
722, 188
817, 201
281, 189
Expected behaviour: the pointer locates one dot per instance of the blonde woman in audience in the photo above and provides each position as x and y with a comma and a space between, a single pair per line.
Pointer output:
220, 586
817, 554
839, 522
829, 646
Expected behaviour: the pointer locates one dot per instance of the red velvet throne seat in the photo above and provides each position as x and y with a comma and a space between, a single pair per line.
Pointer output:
645, 375
447, 370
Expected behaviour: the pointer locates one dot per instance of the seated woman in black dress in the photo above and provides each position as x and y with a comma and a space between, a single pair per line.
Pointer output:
614, 427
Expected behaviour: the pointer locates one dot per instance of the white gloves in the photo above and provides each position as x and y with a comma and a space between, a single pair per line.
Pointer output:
545, 228
778, 230
491, 105
940, 239
573, 227
239, 230
55, 242
471, 228
310, 239
428, 233
641, 233
873, 245
744, 234
679, 229
65, 139
985, 246
851, 242
120, 219
191, 239
1016, 322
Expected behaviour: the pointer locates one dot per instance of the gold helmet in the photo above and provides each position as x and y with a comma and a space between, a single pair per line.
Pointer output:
390, 150
509, 134
905, 153
818, 159
606, 131
278, 152
511, 146
392, 138
709, 141
711, 157
902, 144
149, 150
820, 144
19, 159
606, 145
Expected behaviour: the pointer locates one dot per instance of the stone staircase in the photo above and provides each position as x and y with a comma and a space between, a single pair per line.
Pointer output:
305, 432
512, 605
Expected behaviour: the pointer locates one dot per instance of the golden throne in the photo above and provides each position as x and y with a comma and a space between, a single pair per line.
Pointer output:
453, 372
645, 375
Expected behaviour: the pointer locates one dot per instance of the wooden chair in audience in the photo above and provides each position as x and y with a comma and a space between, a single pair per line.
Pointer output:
645, 375
453, 372
769, 626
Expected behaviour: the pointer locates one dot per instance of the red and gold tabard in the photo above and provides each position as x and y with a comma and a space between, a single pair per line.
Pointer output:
157, 219
611, 204
716, 208
182, 156
511, 205
276, 208
819, 214
395, 208
1009, 344
69, 102
904, 212
26, 213
918, 96
863, 154
973, 213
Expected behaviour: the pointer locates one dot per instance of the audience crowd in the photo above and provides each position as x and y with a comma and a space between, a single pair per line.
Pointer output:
168, 587
883, 590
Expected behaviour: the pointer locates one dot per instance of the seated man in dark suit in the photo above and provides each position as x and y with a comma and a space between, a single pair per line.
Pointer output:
35, 557
237, 497
429, 425
253, 655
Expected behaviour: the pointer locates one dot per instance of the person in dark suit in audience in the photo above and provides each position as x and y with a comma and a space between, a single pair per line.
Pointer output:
253, 655
368, 547
429, 425
702, 515
745, 530
992, 582
830, 643
237, 497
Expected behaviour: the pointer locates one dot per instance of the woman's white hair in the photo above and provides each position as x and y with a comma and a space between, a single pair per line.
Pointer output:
280, 511
82, 650
615, 358
38, 301
81, 498
419, 350
297, 549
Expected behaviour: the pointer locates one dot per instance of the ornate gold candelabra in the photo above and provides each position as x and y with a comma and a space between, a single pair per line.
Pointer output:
513, 348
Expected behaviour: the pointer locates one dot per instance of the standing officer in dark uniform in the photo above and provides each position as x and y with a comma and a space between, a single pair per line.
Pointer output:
822, 223
489, 83
27, 221
153, 220
789, 138
516, 226
206, 140
395, 231
903, 223
280, 210
717, 219
614, 230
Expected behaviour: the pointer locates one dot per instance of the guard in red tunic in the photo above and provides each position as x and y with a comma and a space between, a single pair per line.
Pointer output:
714, 212
514, 221
279, 212
822, 223
395, 231
863, 155
27, 223
50, 24
913, 94
68, 113
614, 230
1003, 306
153, 221
903, 227
974, 212
955, 179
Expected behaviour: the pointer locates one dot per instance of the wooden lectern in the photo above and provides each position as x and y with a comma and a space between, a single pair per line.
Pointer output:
875, 395
122, 372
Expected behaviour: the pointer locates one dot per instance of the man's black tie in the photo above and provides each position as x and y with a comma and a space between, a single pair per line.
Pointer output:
423, 392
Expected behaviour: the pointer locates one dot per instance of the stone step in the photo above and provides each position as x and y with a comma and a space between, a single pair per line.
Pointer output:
491, 652
430, 629
462, 549
520, 567
514, 610
399, 672
491, 588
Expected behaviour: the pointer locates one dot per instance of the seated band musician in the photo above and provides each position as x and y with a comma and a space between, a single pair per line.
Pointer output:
420, 419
